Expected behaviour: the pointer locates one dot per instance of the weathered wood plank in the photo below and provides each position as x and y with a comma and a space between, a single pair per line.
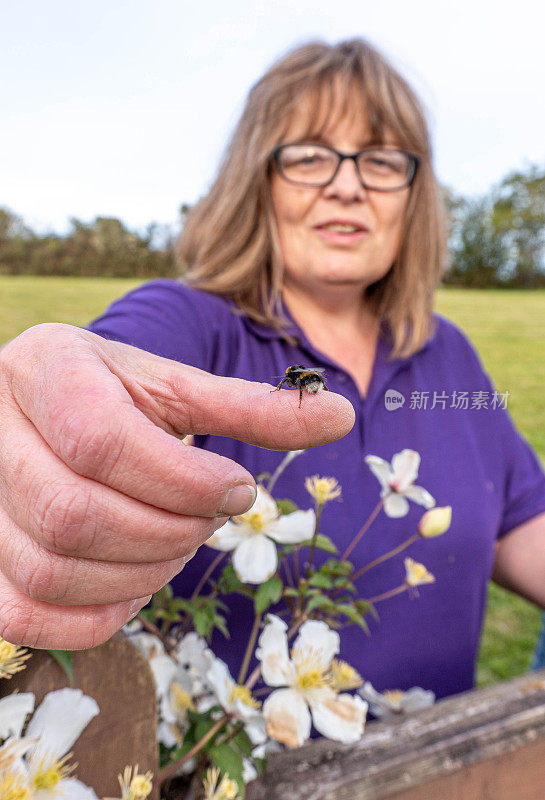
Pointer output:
118, 677
490, 737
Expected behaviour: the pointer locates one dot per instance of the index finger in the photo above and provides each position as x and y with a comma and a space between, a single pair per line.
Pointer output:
116, 430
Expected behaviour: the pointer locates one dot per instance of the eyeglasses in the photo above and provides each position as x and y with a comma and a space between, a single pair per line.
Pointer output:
381, 169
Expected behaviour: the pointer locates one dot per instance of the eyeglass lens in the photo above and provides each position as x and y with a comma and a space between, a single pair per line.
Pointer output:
312, 164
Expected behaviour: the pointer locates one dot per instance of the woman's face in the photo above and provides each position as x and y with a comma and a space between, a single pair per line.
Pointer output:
318, 256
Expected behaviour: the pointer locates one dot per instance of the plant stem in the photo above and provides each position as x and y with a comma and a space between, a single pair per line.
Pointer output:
366, 526
388, 594
167, 772
249, 649
379, 560
287, 570
149, 626
319, 507
208, 572
288, 458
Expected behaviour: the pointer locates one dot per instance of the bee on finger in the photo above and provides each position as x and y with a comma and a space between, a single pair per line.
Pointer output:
300, 377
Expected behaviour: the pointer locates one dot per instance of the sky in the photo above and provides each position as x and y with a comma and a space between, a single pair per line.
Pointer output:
123, 107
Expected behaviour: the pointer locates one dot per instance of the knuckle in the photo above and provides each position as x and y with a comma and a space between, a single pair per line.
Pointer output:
90, 442
34, 573
18, 623
61, 514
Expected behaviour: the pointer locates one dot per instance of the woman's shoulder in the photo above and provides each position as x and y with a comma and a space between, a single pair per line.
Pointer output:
171, 319
449, 338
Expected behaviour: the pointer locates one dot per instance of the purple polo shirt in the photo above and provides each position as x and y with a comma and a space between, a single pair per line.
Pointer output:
472, 459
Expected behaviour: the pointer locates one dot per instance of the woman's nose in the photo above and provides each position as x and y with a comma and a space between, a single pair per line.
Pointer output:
346, 185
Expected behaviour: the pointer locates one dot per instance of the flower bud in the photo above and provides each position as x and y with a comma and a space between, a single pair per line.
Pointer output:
435, 522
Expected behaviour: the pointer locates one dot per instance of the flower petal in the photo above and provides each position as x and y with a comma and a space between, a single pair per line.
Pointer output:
405, 469
293, 528
419, 495
338, 716
395, 505
255, 559
416, 699
276, 667
219, 679
227, 537
14, 709
59, 721
163, 668
380, 469
256, 729
148, 644
317, 637
287, 717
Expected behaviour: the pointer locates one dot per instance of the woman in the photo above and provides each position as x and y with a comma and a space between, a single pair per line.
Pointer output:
320, 243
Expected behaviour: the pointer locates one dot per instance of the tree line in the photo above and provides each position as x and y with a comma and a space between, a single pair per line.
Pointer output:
497, 239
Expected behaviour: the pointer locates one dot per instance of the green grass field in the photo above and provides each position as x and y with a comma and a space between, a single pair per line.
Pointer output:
508, 329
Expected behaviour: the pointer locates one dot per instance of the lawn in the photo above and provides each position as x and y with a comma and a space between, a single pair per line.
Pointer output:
508, 329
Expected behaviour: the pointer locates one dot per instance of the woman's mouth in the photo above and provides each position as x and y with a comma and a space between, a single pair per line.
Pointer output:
341, 230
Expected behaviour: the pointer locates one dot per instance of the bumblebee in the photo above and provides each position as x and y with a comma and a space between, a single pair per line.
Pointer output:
300, 377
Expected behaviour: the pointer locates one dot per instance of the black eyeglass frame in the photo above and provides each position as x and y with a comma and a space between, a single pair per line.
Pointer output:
414, 161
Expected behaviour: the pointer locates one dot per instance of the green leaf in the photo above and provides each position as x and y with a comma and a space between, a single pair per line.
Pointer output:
202, 622
364, 607
319, 601
354, 616
289, 592
64, 659
229, 582
204, 724
243, 742
322, 543
334, 567
229, 761
221, 623
320, 580
286, 506
268, 593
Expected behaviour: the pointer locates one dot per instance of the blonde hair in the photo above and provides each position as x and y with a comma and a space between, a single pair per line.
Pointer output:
229, 245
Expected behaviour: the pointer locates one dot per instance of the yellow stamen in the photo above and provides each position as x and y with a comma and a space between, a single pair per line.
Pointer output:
12, 786
243, 694
180, 700
310, 673
344, 676
12, 658
137, 786
227, 790
254, 520
322, 489
47, 777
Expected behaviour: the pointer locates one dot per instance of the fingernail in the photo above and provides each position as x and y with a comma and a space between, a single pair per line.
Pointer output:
238, 500
137, 605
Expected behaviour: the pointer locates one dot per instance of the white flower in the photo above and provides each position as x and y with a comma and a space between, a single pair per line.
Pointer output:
416, 573
252, 537
308, 675
237, 700
175, 697
14, 709
390, 703
397, 482
193, 653
55, 726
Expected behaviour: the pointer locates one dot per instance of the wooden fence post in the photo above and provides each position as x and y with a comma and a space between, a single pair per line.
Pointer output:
488, 744
118, 677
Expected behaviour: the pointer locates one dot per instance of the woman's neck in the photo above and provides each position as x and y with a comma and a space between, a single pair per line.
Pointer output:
346, 332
